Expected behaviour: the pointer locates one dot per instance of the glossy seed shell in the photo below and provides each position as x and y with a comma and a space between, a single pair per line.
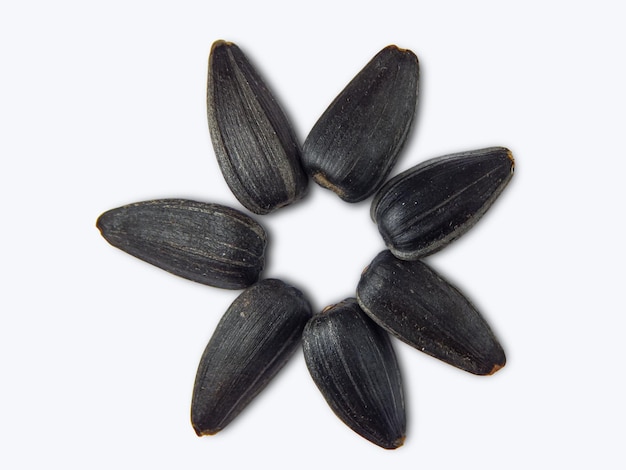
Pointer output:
353, 364
432, 204
414, 303
255, 145
254, 339
355, 143
207, 243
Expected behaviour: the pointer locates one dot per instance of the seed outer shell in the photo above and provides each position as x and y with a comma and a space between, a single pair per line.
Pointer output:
423, 209
254, 142
256, 336
208, 243
352, 362
355, 143
414, 303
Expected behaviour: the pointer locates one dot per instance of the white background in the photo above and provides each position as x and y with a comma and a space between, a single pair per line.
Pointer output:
102, 104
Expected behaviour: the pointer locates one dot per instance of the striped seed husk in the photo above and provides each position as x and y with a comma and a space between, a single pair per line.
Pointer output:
207, 243
353, 364
254, 339
414, 303
255, 145
425, 208
355, 143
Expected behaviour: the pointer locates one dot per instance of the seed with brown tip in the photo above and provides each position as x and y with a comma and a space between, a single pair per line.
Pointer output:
354, 366
415, 304
254, 142
207, 243
423, 209
254, 339
355, 143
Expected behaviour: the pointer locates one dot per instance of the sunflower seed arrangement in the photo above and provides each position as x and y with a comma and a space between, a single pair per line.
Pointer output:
351, 150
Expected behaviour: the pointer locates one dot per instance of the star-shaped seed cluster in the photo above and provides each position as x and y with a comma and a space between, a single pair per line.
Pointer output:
351, 150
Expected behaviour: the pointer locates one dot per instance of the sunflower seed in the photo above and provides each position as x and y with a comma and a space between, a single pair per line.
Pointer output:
207, 243
256, 336
255, 145
355, 143
430, 205
414, 303
354, 366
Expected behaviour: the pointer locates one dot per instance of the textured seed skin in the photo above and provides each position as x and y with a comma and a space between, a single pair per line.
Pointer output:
254, 339
354, 366
432, 204
207, 243
414, 303
254, 142
355, 143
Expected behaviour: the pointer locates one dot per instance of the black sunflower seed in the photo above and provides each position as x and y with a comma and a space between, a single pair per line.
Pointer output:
256, 336
207, 243
428, 206
354, 366
255, 145
355, 143
414, 303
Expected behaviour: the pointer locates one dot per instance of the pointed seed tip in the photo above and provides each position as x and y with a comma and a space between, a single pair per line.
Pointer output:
402, 50
509, 154
398, 48
393, 445
204, 432
496, 368
101, 223
221, 43
399, 442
